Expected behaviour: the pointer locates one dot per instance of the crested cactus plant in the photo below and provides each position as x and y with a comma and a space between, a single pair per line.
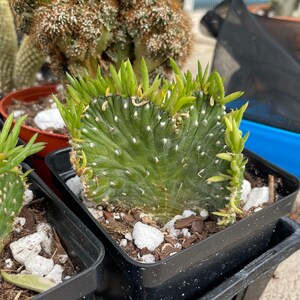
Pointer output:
18, 65
79, 35
12, 180
163, 147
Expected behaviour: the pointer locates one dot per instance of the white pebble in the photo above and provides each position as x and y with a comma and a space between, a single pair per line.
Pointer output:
48, 240
128, 236
97, 213
39, 265
28, 196
123, 243
148, 259
49, 118
27, 247
257, 197
75, 185
204, 213
170, 226
9, 263
147, 236
187, 213
63, 258
18, 113
186, 232
18, 224
246, 189
55, 274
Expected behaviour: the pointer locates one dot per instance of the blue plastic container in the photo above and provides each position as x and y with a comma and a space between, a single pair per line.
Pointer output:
278, 146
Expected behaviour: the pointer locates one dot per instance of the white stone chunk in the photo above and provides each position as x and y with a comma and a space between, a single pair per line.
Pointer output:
8, 263
123, 243
39, 265
257, 197
147, 236
128, 236
204, 213
28, 196
187, 213
55, 274
148, 259
63, 258
170, 226
27, 247
49, 118
75, 185
246, 189
186, 232
97, 213
48, 241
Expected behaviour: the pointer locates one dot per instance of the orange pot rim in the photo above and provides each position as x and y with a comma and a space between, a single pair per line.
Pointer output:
9, 97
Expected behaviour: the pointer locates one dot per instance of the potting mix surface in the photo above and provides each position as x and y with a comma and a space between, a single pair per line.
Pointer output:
34, 214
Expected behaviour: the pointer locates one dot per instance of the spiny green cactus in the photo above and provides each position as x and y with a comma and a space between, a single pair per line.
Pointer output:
28, 62
17, 66
79, 35
8, 46
163, 147
12, 180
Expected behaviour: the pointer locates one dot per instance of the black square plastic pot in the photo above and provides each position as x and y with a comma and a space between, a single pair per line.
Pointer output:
193, 271
83, 248
249, 282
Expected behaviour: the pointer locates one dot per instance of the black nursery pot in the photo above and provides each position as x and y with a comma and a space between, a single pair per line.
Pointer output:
194, 271
83, 248
249, 282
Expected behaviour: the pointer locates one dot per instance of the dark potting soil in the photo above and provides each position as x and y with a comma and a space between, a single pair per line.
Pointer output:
34, 213
119, 220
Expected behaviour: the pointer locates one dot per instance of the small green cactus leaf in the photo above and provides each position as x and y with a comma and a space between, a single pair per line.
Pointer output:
29, 281
231, 97
145, 75
217, 178
225, 156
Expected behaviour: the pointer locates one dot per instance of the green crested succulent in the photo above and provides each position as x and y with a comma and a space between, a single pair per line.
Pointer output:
18, 65
79, 35
163, 147
12, 180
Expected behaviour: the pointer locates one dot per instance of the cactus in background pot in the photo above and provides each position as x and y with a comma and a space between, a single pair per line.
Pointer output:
79, 35
18, 66
12, 180
163, 147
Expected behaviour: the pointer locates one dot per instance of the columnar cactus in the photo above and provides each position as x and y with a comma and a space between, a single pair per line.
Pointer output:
163, 147
12, 180
18, 67
79, 35
8, 46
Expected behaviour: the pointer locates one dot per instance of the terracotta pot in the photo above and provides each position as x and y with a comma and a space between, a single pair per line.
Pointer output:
54, 141
255, 8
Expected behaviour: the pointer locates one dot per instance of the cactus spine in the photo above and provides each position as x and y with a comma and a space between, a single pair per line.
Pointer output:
163, 147
12, 180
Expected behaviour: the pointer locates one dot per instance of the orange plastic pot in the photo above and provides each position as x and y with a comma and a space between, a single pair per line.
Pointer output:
255, 8
54, 141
